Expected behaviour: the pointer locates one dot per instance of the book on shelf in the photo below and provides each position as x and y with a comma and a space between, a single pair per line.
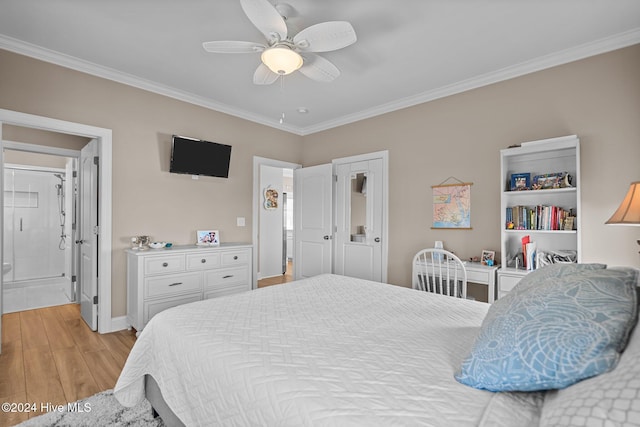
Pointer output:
540, 217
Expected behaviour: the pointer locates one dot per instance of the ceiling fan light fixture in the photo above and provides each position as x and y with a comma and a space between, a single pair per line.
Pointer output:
282, 60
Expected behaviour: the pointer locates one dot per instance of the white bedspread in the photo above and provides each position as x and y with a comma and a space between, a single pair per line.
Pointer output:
326, 351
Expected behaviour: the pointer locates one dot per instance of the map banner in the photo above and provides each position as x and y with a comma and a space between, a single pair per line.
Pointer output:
452, 206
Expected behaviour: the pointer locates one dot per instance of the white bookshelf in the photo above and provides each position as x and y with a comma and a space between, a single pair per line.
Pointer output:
536, 158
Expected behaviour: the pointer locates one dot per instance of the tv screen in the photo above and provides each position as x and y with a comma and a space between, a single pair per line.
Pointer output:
197, 157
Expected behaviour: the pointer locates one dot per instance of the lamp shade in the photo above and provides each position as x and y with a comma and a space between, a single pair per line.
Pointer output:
281, 60
628, 212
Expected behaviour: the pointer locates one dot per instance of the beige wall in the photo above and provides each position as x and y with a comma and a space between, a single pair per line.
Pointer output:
597, 99
147, 199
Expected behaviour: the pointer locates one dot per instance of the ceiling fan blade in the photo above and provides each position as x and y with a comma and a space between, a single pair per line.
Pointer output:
326, 36
265, 17
317, 68
264, 76
228, 46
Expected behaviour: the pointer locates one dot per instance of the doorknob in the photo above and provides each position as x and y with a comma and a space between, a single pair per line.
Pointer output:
327, 237
377, 240
79, 242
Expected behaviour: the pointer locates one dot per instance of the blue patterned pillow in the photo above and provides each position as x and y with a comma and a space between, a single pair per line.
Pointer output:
554, 270
564, 329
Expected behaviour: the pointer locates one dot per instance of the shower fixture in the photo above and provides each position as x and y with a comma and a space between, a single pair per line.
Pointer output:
60, 190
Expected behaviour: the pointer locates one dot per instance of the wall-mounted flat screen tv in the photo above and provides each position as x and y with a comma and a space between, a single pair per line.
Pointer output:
197, 157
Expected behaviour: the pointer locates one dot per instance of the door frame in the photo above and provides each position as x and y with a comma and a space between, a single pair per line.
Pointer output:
104, 137
257, 194
384, 155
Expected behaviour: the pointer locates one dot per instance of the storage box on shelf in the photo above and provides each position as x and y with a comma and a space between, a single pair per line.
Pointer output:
539, 210
158, 279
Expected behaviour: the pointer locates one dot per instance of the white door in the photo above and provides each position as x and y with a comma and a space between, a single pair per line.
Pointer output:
88, 234
359, 216
313, 220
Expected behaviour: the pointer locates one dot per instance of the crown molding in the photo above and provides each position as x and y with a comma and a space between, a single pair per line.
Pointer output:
586, 50
566, 56
67, 61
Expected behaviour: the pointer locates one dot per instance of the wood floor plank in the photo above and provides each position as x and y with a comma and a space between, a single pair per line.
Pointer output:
68, 311
75, 375
56, 328
33, 334
104, 368
11, 370
41, 376
85, 338
119, 350
11, 330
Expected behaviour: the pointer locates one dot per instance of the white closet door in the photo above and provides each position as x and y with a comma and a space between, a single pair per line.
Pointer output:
313, 212
359, 215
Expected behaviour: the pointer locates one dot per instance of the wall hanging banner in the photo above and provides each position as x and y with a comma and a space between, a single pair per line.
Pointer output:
452, 205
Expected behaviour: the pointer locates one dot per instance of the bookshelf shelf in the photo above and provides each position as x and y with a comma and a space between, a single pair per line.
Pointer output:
549, 156
541, 231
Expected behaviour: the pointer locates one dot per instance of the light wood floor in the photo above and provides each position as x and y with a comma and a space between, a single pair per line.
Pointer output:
278, 280
50, 355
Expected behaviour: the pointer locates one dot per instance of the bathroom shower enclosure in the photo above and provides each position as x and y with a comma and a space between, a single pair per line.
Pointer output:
38, 217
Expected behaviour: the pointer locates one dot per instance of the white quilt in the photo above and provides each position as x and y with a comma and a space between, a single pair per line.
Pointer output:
325, 351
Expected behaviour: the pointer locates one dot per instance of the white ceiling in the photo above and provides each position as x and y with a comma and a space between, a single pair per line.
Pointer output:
407, 52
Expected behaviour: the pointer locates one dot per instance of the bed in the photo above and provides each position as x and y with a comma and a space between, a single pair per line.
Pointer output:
328, 350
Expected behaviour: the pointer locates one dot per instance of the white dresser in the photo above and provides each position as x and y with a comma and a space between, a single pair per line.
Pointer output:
158, 279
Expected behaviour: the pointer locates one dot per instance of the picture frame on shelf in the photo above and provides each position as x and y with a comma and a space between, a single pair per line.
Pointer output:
488, 257
568, 223
208, 238
551, 180
520, 181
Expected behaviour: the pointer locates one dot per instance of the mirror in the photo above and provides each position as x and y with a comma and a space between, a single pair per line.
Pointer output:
358, 199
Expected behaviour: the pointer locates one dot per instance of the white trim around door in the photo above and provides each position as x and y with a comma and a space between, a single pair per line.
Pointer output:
104, 137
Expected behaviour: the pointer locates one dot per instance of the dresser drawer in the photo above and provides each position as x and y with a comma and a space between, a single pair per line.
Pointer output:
232, 258
172, 284
154, 307
506, 283
164, 264
479, 276
226, 290
203, 261
225, 277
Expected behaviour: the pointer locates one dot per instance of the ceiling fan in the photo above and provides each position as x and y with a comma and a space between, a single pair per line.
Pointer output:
283, 54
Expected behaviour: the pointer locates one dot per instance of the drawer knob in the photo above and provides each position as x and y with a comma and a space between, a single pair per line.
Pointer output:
176, 284
227, 276
165, 264
235, 257
203, 260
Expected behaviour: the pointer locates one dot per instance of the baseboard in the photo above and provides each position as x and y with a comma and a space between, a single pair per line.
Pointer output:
119, 323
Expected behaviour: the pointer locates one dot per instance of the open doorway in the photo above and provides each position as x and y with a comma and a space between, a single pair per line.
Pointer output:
103, 138
39, 253
275, 235
273, 221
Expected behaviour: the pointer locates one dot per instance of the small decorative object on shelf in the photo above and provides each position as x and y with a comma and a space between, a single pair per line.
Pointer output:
208, 238
139, 242
551, 180
569, 223
520, 181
